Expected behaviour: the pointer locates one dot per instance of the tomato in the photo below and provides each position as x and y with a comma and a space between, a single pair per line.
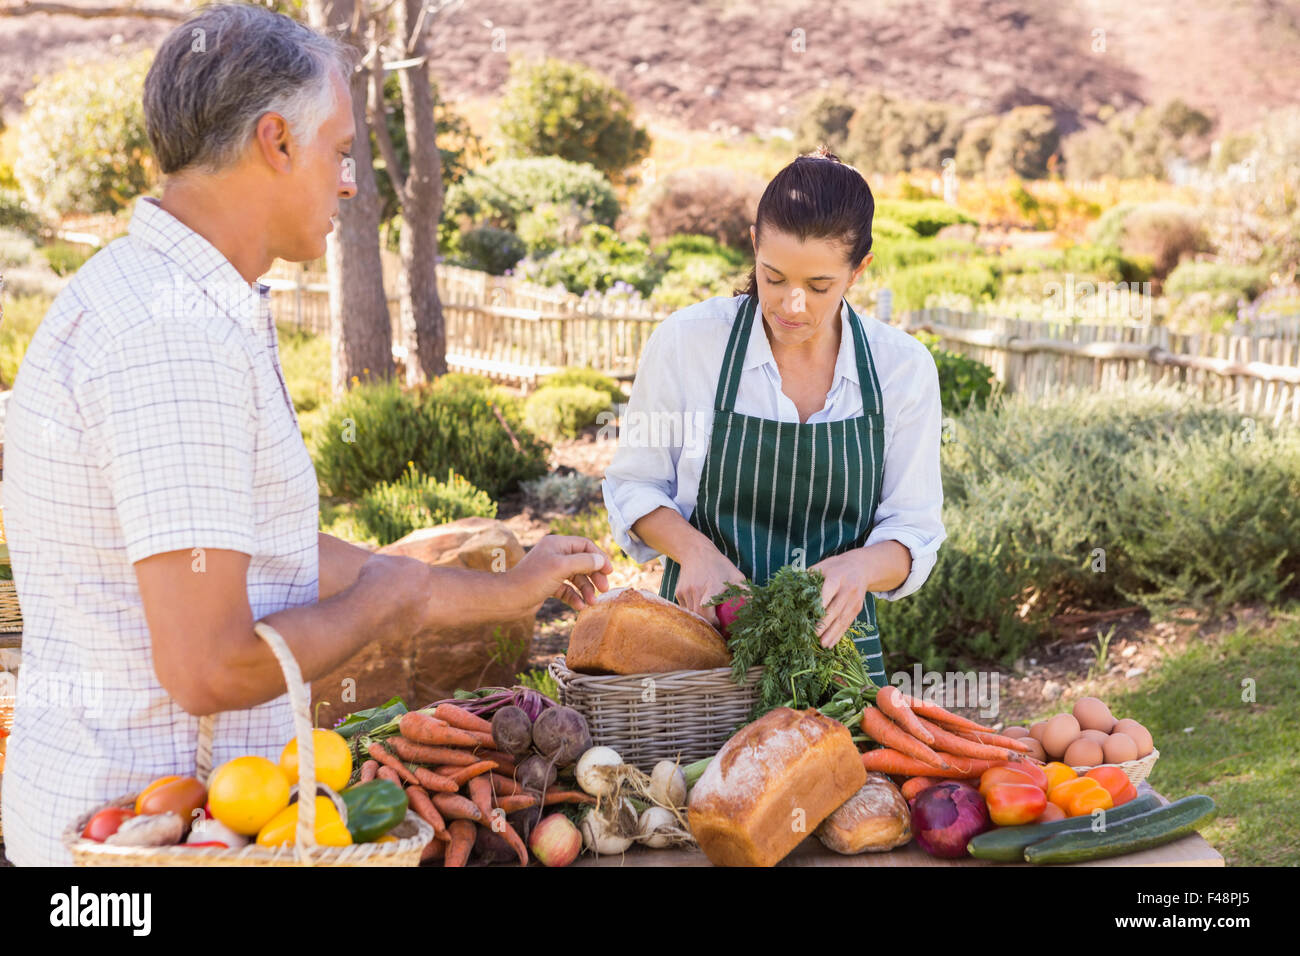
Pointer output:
105, 823
1115, 781
160, 782
333, 759
179, 795
246, 792
1004, 774
1014, 804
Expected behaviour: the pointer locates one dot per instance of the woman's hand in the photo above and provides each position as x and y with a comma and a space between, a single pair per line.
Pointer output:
843, 593
705, 573
569, 568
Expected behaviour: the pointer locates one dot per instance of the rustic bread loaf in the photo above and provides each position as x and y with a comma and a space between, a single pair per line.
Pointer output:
874, 819
630, 631
771, 784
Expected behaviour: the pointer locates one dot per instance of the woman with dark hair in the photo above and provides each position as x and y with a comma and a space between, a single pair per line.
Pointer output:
778, 427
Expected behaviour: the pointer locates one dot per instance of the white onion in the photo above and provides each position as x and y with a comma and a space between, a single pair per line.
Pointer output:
612, 833
668, 784
595, 771
653, 821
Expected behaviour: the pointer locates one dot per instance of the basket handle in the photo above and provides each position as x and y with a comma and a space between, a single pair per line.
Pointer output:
305, 838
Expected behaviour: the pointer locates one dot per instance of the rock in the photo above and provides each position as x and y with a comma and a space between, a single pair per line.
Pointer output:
1051, 690
431, 665
1135, 671
1128, 651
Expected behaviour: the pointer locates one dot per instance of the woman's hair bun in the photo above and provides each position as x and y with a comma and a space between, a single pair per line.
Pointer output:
822, 152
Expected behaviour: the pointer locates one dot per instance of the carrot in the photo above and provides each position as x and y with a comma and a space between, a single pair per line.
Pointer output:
424, 808
480, 792
423, 729
505, 762
435, 782
455, 807
940, 716
890, 701
434, 850
368, 770
388, 773
511, 836
518, 801
505, 786
413, 752
462, 774
377, 750
566, 796
951, 743
884, 760
884, 731
915, 785
462, 718
484, 740
463, 834
1011, 743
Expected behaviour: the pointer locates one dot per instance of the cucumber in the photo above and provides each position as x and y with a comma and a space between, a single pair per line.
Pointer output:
1128, 836
1007, 844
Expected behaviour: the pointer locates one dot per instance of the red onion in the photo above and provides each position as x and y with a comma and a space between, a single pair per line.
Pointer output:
946, 816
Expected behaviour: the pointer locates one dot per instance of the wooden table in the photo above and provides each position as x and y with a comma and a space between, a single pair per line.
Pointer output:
1189, 851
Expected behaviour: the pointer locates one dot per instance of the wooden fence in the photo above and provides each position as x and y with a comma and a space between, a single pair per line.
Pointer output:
1260, 375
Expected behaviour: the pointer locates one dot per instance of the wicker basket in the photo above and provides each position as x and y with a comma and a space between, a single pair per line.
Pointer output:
676, 715
1135, 770
11, 615
412, 834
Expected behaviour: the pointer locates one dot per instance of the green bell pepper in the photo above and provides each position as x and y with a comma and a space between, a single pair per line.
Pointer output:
374, 808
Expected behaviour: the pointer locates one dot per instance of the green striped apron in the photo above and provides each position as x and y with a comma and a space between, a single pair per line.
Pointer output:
776, 493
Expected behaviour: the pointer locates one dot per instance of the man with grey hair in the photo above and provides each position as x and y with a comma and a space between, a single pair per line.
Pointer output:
158, 496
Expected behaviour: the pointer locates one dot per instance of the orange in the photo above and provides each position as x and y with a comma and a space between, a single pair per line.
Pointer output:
245, 793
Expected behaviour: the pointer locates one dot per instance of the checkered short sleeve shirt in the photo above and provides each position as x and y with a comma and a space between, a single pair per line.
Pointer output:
150, 415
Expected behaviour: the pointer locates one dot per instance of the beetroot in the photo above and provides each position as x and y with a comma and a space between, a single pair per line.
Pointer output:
561, 733
535, 773
512, 729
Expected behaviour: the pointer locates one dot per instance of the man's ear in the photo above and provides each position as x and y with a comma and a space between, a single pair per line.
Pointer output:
274, 141
753, 237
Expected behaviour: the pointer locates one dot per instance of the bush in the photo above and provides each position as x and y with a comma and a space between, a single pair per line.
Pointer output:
599, 262
549, 226
697, 268
824, 120
963, 381
82, 144
1098, 500
974, 145
371, 432
65, 258
913, 285
394, 509
924, 217
1164, 232
563, 411
1245, 282
902, 253
887, 135
885, 227
499, 193
553, 108
567, 492
708, 201
489, 249
587, 377
1023, 143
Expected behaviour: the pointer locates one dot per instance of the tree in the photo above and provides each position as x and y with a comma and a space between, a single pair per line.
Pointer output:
1025, 139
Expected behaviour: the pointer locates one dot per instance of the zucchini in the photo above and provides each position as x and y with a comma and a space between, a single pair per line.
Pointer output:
1007, 844
1128, 836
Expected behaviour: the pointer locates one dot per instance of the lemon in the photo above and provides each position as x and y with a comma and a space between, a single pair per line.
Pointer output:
246, 792
333, 759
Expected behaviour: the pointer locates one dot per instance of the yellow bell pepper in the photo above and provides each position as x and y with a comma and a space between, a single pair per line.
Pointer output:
1058, 773
283, 827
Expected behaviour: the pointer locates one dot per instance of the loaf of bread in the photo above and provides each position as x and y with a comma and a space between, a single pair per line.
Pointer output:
630, 631
771, 785
874, 819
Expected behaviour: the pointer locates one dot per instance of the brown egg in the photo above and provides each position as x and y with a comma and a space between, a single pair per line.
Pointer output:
1037, 730
1119, 747
1141, 736
1060, 733
1035, 749
1016, 732
1084, 753
1096, 735
1092, 714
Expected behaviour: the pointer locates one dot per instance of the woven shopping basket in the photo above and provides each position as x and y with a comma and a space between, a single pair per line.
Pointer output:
1135, 770
412, 834
676, 715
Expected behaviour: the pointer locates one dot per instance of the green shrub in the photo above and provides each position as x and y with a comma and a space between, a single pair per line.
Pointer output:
884, 227
911, 286
974, 145
500, 192
549, 226
1164, 232
65, 258
489, 249
697, 268
22, 314
394, 509
712, 201
305, 358
370, 433
554, 108
925, 217
1246, 282
588, 377
82, 143
567, 492
888, 135
600, 261
963, 381
563, 411
903, 253
824, 120
1023, 143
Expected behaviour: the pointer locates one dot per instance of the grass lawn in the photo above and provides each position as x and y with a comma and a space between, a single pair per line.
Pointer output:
1242, 753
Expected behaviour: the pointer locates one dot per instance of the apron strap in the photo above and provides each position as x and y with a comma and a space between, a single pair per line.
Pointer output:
733, 362
872, 397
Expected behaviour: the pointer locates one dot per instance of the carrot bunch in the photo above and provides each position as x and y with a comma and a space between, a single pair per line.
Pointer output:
920, 739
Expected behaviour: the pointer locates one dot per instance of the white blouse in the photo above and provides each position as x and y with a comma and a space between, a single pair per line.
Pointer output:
664, 430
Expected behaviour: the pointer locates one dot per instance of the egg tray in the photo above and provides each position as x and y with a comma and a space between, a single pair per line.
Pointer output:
1135, 770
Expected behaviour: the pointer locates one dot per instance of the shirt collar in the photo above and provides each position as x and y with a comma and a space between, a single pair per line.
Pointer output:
759, 351
200, 262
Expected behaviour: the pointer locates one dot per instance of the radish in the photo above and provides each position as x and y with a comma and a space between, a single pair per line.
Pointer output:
727, 612
668, 784
598, 771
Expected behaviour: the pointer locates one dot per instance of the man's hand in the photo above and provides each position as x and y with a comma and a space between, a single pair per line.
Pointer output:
569, 568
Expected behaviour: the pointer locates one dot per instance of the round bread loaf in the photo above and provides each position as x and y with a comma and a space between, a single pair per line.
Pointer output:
631, 631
